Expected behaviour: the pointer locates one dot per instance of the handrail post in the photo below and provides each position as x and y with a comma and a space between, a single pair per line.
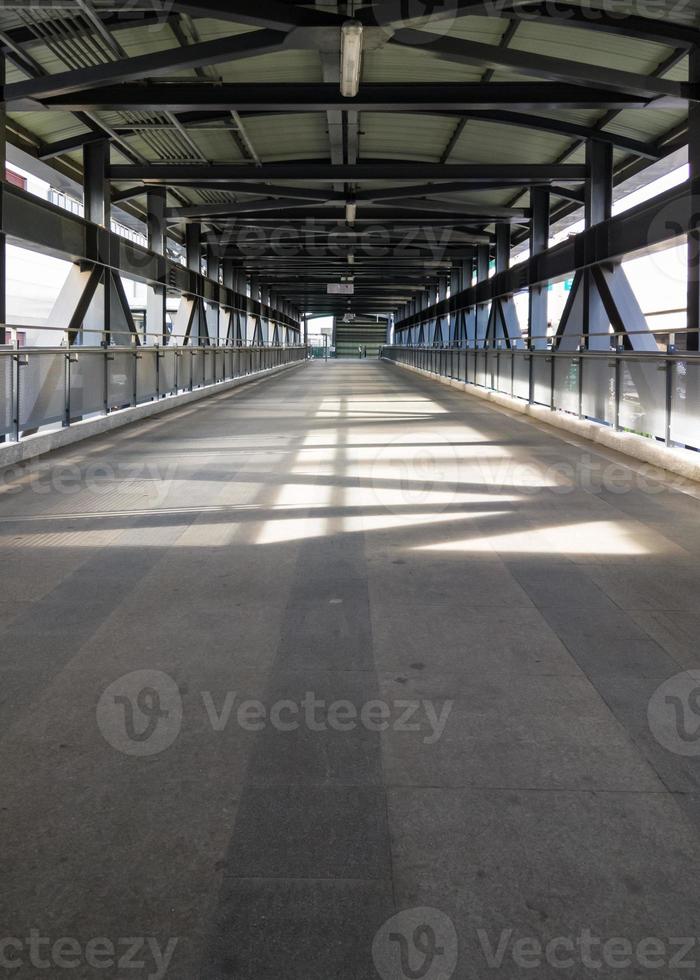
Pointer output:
618, 379
66, 390
552, 381
19, 363
581, 362
106, 377
137, 358
669, 399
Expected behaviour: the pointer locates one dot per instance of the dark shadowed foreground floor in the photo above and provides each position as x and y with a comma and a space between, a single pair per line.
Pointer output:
343, 646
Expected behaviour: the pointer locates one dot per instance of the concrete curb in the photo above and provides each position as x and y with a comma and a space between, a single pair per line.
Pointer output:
682, 462
12, 453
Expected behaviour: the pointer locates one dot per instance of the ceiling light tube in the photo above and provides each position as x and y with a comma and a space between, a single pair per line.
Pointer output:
350, 212
350, 58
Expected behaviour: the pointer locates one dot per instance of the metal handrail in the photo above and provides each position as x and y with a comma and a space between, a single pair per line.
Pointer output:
142, 336
630, 399
527, 341
122, 377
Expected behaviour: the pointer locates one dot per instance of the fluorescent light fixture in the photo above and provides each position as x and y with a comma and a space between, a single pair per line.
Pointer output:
350, 58
350, 212
351, 258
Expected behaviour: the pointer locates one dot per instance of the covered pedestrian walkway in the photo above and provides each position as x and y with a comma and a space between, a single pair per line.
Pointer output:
378, 667
339, 646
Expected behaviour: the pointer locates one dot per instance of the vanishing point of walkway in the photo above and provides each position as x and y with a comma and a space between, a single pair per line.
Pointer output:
337, 646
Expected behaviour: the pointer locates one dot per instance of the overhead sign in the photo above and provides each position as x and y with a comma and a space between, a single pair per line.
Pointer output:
341, 287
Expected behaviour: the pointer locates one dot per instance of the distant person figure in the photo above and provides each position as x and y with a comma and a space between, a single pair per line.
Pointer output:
359, 350
364, 351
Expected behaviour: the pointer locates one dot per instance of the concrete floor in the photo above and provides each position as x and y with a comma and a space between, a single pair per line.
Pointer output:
497, 605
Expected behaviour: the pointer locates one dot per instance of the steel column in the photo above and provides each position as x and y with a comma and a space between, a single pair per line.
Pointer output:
96, 208
693, 321
482, 310
442, 322
3, 249
503, 319
539, 242
598, 208
455, 287
96, 183
193, 246
156, 295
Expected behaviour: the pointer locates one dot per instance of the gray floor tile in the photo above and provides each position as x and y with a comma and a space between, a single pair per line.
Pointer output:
310, 832
299, 930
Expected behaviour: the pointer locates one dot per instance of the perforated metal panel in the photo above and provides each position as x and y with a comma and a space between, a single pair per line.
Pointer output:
120, 374
196, 367
168, 372
481, 366
227, 362
598, 389
542, 380
42, 389
685, 412
521, 380
87, 383
505, 367
643, 398
7, 373
208, 366
146, 376
566, 384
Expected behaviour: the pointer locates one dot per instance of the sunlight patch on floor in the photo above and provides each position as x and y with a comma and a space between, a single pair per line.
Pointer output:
592, 538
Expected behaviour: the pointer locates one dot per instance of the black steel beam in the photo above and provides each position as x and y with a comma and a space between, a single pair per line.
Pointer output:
370, 213
35, 224
596, 15
439, 207
122, 18
632, 166
467, 52
369, 170
693, 284
601, 16
71, 143
302, 194
272, 15
421, 190
569, 193
440, 97
653, 225
219, 51
649, 151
